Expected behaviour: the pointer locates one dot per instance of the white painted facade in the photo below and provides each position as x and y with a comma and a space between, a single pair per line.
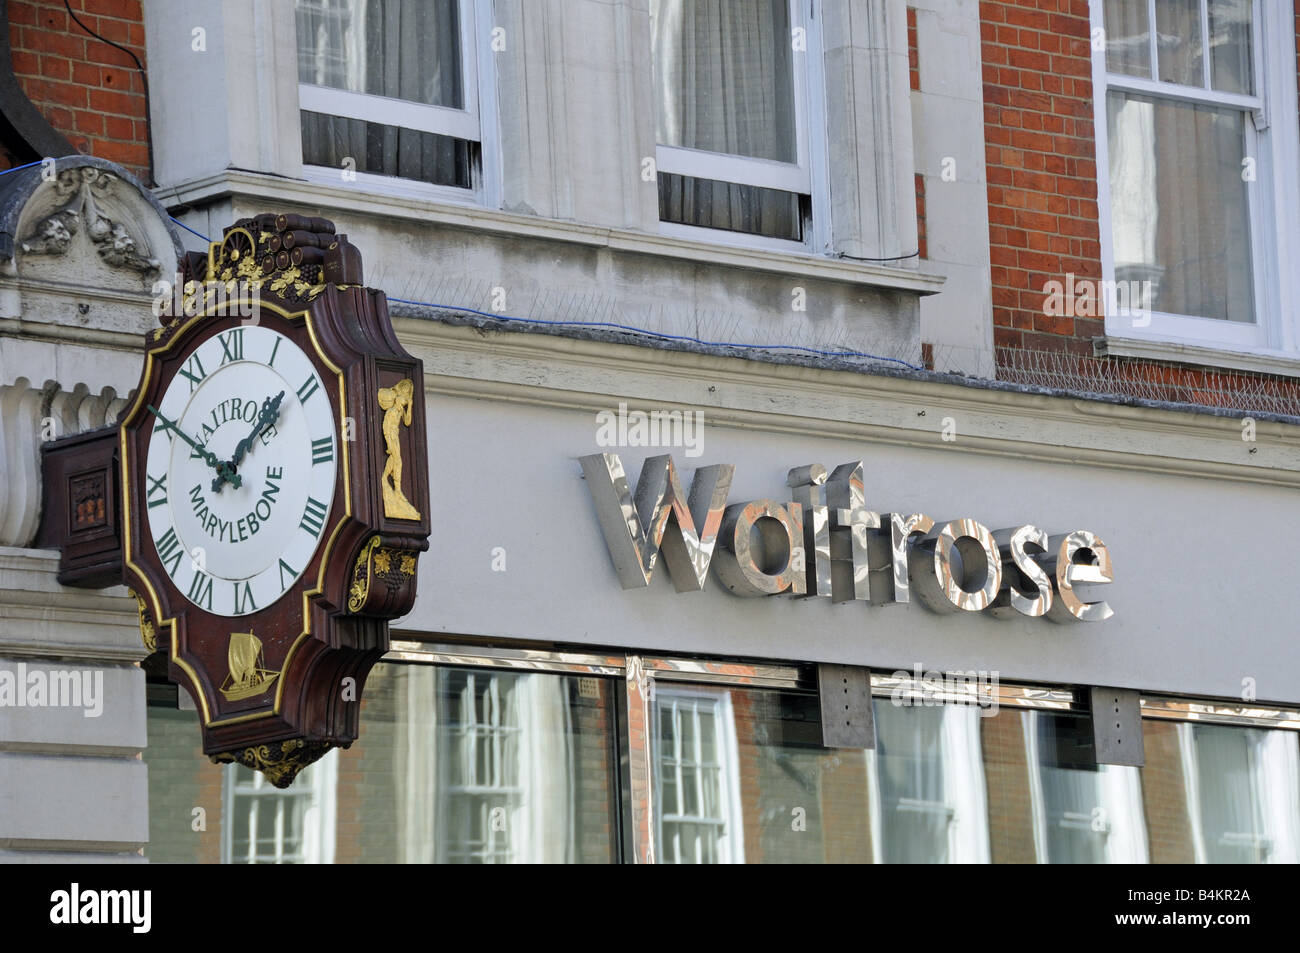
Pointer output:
563, 223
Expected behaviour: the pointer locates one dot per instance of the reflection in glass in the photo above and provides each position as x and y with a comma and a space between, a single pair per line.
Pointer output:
403, 49
481, 765
1178, 204
1243, 788
929, 785
724, 76
1128, 38
1085, 813
1232, 64
1180, 48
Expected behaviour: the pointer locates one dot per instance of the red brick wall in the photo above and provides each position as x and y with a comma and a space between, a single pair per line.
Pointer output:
1042, 170
86, 89
1040, 149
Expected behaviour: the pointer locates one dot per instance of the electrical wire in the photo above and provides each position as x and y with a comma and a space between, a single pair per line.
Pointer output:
144, 81
632, 329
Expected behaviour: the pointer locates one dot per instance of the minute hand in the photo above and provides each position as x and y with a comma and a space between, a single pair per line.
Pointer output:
207, 455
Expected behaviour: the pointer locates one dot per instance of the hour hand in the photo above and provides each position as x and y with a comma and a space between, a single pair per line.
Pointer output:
270, 413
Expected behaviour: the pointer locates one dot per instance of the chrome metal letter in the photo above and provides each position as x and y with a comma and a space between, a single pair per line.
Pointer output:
636, 532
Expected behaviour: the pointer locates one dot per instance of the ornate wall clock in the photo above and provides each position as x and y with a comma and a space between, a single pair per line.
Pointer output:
275, 491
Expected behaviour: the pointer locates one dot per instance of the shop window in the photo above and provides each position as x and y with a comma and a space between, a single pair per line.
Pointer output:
732, 117
1084, 812
929, 785
699, 819
1187, 142
1243, 789
388, 88
270, 825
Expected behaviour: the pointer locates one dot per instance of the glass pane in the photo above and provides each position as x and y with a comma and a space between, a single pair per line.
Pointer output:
360, 146
1179, 215
735, 208
1231, 63
1128, 38
452, 765
1180, 50
404, 49
724, 77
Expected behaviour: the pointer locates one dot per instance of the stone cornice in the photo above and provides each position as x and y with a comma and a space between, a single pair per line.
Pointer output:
592, 375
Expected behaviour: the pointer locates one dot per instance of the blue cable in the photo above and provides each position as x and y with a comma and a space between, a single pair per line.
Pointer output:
660, 334
634, 330
190, 230
27, 166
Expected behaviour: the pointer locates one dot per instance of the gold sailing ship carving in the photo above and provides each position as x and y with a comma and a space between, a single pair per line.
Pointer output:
247, 677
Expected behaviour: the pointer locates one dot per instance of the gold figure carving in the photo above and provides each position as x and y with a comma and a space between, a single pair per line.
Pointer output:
396, 403
247, 677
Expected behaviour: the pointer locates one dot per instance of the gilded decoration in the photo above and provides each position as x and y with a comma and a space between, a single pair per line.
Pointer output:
396, 402
280, 761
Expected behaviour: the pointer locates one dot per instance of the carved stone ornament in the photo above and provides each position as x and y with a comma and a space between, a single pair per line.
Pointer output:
83, 191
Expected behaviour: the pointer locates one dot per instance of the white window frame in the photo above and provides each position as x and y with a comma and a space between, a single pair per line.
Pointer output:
476, 122
732, 847
806, 176
452, 848
1272, 199
318, 784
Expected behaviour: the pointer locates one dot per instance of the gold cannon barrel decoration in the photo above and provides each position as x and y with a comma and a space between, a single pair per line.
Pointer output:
274, 490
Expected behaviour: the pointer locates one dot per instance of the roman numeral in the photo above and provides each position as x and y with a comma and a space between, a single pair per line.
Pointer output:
322, 450
313, 517
286, 569
170, 551
244, 601
201, 594
193, 369
157, 486
271, 362
232, 346
309, 387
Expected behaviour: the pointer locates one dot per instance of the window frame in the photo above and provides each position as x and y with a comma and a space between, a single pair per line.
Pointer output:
475, 122
808, 175
319, 845
731, 822
1271, 139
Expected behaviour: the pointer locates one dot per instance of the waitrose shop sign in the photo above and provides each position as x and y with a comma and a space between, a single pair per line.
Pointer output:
825, 542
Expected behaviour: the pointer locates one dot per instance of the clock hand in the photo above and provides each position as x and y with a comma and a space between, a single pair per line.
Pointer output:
270, 413
207, 455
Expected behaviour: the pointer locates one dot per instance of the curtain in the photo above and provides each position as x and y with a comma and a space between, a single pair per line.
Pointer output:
1278, 783
1179, 211
724, 78
416, 763
914, 814
1227, 795
1231, 60
402, 49
541, 822
1128, 38
964, 767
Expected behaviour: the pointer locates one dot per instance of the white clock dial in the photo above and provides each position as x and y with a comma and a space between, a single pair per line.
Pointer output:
233, 550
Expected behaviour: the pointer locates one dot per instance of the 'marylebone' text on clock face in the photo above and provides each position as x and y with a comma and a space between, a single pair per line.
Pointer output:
238, 548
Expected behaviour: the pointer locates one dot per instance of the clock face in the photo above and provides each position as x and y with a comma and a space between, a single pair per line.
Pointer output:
236, 539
